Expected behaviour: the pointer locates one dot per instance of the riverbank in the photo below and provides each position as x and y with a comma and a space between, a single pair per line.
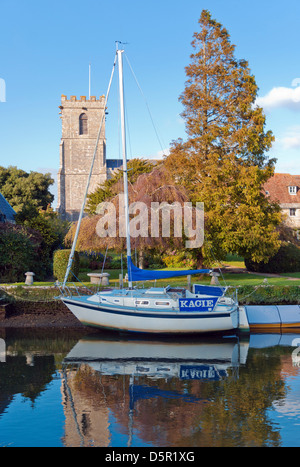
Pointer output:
25, 314
41, 321
25, 307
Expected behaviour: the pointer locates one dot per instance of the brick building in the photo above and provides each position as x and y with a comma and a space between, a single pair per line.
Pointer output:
80, 126
285, 190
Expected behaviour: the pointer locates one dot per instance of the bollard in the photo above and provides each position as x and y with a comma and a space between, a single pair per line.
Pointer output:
29, 278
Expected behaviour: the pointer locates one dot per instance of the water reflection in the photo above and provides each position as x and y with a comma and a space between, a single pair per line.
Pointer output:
152, 388
116, 391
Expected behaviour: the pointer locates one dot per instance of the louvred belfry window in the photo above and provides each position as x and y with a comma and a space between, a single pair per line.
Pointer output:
83, 124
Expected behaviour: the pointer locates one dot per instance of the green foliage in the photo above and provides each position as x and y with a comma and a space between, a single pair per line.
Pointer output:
223, 163
60, 263
153, 259
219, 99
16, 252
25, 192
287, 259
105, 191
21, 251
181, 260
268, 295
51, 228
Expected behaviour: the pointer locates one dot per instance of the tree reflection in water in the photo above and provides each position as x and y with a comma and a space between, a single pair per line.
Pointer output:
229, 410
148, 393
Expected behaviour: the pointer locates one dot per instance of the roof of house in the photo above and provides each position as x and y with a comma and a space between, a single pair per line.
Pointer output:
278, 188
113, 163
6, 209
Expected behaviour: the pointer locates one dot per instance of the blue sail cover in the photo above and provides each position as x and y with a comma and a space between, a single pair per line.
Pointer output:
137, 274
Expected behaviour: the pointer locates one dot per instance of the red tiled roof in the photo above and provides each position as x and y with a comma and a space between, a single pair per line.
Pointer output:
278, 188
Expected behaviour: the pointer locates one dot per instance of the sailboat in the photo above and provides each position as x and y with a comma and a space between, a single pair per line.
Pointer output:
161, 310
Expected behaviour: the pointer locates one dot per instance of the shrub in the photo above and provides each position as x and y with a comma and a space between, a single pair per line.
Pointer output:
180, 260
153, 260
60, 263
268, 295
287, 259
117, 264
21, 251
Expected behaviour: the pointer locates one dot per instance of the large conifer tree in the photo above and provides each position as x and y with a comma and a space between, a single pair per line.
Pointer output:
223, 162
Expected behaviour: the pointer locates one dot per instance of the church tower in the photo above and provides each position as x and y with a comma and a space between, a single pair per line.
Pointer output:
80, 125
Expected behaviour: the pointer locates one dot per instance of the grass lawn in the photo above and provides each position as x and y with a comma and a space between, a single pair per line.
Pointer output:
232, 279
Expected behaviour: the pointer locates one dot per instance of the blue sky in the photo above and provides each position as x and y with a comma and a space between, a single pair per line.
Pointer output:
46, 48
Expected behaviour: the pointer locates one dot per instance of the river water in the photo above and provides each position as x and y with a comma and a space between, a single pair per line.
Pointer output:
61, 388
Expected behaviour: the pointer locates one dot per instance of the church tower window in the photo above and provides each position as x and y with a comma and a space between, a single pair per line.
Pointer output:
83, 124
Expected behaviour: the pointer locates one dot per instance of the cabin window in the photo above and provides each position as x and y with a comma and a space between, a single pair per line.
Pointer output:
83, 124
162, 303
292, 212
142, 302
292, 190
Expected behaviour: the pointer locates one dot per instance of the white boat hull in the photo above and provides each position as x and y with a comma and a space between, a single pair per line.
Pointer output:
131, 319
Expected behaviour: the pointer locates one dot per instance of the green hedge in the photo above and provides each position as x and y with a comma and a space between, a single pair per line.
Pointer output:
287, 259
60, 263
269, 295
21, 250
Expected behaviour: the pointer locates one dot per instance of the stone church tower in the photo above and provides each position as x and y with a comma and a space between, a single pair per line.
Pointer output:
80, 125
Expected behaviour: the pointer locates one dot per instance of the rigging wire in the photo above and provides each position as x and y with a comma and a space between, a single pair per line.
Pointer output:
147, 105
89, 179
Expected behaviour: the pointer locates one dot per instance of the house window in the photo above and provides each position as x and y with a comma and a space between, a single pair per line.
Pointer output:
83, 124
292, 190
292, 212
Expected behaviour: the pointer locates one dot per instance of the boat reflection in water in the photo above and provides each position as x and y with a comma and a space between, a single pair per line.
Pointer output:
108, 390
145, 386
205, 359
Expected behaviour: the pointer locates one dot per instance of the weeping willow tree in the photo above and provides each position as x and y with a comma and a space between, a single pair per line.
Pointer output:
223, 161
151, 191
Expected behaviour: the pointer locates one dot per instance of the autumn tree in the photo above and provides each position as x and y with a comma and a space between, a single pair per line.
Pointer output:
223, 161
154, 187
106, 191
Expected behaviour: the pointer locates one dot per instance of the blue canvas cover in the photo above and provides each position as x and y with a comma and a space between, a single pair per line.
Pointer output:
137, 274
209, 290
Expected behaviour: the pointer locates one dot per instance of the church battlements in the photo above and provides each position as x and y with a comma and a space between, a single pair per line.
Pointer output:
81, 99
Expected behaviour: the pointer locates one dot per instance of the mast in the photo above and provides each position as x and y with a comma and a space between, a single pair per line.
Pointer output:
125, 177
